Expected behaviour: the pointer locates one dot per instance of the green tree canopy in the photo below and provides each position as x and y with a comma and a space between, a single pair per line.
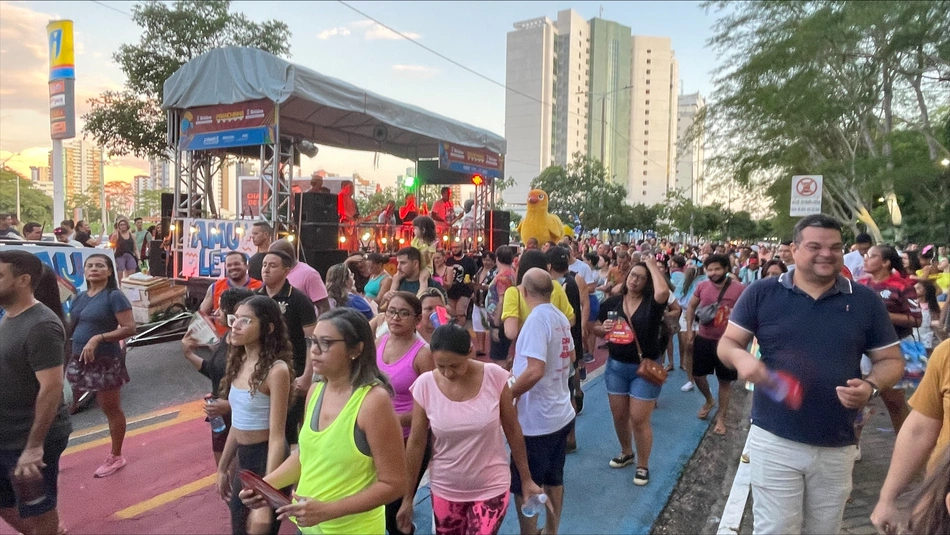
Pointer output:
584, 189
35, 206
130, 121
829, 87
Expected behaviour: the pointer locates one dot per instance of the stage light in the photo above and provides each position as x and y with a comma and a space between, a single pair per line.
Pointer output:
306, 148
366, 236
457, 239
342, 239
384, 240
410, 181
402, 241
290, 238
193, 229
239, 231
479, 239
172, 228
477, 180
445, 238
214, 230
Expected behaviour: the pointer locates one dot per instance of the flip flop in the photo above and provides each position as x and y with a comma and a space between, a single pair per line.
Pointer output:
704, 411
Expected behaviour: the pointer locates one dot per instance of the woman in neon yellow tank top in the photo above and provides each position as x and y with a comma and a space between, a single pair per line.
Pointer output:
350, 462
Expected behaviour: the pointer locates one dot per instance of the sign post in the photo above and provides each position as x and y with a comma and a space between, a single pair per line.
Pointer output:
62, 105
806, 195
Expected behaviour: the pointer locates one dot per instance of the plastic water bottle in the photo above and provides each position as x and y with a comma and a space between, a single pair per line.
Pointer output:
217, 422
534, 505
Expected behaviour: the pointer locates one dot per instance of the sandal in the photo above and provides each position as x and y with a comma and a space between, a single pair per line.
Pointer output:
704, 412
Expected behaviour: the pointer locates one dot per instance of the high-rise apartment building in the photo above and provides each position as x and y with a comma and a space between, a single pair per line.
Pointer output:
42, 179
591, 87
572, 81
530, 78
82, 166
609, 96
160, 170
690, 155
652, 141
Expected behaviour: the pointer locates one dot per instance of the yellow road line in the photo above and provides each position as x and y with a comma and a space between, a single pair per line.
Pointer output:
186, 413
149, 416
165, 498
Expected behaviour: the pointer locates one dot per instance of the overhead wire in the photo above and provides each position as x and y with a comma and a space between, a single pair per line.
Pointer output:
117, 10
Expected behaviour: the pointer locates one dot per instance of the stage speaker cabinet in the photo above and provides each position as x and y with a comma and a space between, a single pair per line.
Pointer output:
497, 227
168, 206
319, 220
321, 260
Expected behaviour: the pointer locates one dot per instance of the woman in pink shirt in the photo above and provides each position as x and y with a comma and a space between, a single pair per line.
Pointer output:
470, 410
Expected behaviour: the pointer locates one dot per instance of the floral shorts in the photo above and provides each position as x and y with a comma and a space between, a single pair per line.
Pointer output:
104, 373
469, 518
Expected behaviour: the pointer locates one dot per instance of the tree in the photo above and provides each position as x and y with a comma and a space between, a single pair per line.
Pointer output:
584, 189
130, 121
149, 203
375, 202
119, 198
35, 206
826, 87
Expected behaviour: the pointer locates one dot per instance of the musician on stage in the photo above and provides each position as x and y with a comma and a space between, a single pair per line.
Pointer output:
316, 183
349, 215
408, 211
443, 211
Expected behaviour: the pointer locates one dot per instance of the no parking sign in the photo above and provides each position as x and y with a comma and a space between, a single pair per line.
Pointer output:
806, 195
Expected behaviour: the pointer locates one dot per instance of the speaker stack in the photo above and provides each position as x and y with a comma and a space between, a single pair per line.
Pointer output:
497, 227
319, 230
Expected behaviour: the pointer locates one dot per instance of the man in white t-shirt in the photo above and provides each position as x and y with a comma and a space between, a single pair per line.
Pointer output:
541, 369
854, 260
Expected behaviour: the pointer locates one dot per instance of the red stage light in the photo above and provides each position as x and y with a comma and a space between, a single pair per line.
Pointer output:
477, 180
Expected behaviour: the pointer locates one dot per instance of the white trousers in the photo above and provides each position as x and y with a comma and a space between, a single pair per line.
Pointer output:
798, 488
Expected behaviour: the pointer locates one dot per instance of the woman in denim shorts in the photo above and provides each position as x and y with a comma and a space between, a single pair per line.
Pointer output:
632, 398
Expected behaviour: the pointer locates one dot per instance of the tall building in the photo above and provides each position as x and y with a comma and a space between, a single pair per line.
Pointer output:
529, 103
160, 170
572, 81
141, 184
82, 166
591, 87
654, 82
609, 96
41, 179
690, 153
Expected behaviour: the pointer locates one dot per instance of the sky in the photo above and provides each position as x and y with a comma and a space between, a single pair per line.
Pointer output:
334, 40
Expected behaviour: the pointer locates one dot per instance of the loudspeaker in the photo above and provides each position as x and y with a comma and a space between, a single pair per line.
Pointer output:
321, 260
497, 227
156, 258
168, 204
316, 208
319, 236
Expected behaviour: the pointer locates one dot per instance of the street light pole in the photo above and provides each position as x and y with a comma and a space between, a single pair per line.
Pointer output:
16, 179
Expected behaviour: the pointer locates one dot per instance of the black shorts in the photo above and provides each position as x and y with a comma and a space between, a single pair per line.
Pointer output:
52, 450
457, 291
546, 455
499, 350
706, 360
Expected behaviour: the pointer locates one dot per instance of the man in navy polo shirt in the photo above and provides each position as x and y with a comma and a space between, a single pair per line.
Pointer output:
813, 324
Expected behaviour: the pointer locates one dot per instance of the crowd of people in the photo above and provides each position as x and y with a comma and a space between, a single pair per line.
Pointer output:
342, 392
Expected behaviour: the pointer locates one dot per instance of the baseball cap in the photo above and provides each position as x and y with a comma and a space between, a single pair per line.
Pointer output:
863, 238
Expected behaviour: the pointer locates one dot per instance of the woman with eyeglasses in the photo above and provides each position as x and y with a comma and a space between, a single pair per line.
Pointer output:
350, 461
257, 386
884, 273
214, 365
402, 355
102, 320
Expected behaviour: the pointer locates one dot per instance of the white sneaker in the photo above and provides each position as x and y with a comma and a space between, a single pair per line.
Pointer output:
687, 387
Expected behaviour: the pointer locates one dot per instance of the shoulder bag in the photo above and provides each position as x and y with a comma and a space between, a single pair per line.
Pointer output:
706, 314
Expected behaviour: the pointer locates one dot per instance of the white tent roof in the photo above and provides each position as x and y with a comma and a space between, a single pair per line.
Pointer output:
318, 108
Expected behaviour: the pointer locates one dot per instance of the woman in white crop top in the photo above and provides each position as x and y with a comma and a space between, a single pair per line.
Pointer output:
257, 385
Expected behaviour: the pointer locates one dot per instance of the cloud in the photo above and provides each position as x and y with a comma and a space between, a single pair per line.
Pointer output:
416, 70
333, 32
371, 31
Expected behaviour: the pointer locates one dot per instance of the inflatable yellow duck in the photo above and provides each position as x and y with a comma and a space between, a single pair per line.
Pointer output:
537, 222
